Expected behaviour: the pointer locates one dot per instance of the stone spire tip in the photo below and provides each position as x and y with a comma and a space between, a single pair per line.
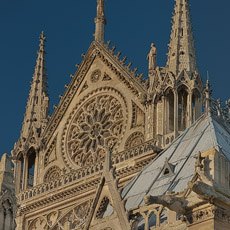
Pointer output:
100, 22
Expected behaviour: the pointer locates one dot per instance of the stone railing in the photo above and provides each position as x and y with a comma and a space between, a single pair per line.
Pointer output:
154, 217
137, 151
64, 180
76, 175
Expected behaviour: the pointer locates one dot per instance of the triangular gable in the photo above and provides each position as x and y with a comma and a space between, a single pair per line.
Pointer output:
183, 78
135, 84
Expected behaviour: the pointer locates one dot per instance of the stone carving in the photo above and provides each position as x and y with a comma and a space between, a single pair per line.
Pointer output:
84, 87
152, 57
106, 77
76, 216
38, 224
170, 201
134, 139
52, 174
56, 220
150, 217
216, 108
100, 8
138, 116
98, 123
50, 155
95, 76
102, 208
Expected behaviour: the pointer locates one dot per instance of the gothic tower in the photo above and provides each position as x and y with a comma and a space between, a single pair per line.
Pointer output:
176, 89
25, 153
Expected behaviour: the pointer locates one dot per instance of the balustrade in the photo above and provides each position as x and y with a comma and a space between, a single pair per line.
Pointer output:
73, 176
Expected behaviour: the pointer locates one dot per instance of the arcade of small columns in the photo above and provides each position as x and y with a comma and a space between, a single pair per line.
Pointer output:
6, 215
175, 111
25, 170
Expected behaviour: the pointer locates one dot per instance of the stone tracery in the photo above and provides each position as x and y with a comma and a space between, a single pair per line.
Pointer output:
134, 139
98, 123
52, 174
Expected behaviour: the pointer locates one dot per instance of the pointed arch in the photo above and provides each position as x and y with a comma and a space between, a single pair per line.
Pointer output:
196, 104
169, 110
182, 107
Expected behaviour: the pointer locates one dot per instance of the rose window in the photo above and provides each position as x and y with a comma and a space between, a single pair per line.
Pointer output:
97, 124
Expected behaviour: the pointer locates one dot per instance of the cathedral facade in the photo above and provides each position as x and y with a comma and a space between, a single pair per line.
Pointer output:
121, 151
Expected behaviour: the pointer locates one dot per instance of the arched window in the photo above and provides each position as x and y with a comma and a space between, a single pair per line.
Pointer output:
31, 157
169, 111
20, 170
182, 108
196, 107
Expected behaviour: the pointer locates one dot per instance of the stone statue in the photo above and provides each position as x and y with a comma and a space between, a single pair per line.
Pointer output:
170, 201
100, 8
152, 56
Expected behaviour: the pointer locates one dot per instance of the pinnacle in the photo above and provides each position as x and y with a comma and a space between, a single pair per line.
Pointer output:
37, 104
42, 41
181, 53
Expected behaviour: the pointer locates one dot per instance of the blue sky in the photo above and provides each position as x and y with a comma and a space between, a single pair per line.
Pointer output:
69, 25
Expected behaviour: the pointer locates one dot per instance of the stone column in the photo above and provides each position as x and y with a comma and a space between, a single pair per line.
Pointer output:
19, 220
2, 217
164, 111
68, 225
17, 175
36, 167
175, 113
8, 216
198, 107
189, 109
25, 174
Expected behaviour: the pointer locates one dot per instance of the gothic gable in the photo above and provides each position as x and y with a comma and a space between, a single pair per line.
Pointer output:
93, 112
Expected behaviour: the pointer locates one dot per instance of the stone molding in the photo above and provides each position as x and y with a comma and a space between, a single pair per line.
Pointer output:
211, 212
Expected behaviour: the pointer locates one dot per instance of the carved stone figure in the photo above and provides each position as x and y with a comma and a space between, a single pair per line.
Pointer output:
170, 201
152, 57
100, 8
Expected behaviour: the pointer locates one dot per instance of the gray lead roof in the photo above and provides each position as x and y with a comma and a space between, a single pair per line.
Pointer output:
206, 133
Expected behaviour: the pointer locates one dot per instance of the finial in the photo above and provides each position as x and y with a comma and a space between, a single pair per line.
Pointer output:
42, 41
100, 22
207, 95
207, 75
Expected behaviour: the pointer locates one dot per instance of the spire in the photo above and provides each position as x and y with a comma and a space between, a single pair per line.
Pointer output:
100, 22
38, 102
181, 53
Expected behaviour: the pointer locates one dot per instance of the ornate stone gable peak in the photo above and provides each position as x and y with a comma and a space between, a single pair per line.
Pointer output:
137, 79
96, 50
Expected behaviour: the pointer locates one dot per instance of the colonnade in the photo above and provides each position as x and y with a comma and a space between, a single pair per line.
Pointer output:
24, 164
175, 111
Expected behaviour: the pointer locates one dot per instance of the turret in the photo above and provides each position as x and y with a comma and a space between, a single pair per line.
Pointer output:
176, 89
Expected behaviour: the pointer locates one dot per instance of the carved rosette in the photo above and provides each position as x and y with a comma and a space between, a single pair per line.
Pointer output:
134, 139
95, 76
52, 174
97, 122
